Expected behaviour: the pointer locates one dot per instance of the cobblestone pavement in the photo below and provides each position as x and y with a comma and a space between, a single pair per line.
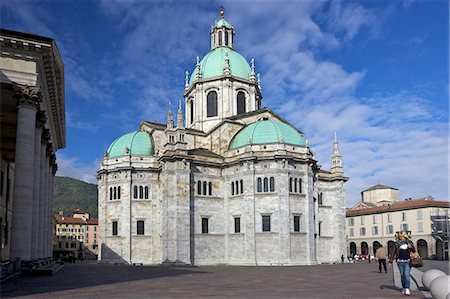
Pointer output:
92, 280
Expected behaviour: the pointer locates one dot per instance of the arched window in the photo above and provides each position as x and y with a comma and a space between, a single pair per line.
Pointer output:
199, 187
295, 185
110, 193
242, 186
211, 104
210, 189
141, 192
272, 184
258, 185
146, 192
135, 192
118, 192
192, 111
299, 185
266, 185
204, 188
232, 188
240, 102
237, 187
220, 38
226, 38
290, 184
115, 193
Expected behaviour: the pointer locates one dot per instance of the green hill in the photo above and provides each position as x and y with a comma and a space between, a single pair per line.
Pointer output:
70, 194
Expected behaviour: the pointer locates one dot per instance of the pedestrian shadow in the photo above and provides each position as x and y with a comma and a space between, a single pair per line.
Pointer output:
390, 287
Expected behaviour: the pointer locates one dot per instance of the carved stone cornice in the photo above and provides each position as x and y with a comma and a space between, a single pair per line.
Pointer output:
45, 137
27, 95
41, 119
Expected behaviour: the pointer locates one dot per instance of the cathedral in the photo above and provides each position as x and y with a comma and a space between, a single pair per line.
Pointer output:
227, 182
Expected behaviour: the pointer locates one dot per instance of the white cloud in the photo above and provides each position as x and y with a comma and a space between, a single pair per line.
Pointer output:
74, 168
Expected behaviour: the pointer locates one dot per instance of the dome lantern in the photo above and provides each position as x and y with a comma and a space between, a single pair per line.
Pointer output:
222, 33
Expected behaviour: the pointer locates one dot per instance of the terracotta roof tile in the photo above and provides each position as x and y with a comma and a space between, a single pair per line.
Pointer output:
72, 220
399, 206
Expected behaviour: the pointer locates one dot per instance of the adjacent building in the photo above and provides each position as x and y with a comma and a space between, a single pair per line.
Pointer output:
77, 234
33, 128
227, 182
380, 215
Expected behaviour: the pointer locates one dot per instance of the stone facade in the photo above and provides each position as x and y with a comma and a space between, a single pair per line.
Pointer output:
32, 130
205, 203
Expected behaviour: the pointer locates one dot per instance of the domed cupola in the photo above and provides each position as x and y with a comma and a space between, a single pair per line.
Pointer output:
136, 143
222, 84
222, 33
267, 132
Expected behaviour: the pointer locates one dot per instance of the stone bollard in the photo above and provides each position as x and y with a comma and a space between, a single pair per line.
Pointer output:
440, 287
429, 276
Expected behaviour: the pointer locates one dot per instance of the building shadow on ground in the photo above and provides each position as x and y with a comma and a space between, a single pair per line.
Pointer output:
89, 274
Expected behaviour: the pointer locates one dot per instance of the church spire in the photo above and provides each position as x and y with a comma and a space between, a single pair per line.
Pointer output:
336, 158
170, 117
180, 120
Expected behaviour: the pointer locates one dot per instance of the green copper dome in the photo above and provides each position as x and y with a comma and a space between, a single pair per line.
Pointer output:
136, 143
266, 132
213, 63
223, 23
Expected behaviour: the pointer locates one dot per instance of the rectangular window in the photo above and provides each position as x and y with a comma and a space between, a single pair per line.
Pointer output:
362, 231
320, 199
140, 227
320, 228
95, 228
374, 219
351, 222
419, 215
375, 230
420, 227
73, 245
389, 229
389, 217
404, 227
67, 245
59, 245
266, 223
362, 220
114, 228
296, 223
300, 186
205, 225
237, 224
352, 232
403, 216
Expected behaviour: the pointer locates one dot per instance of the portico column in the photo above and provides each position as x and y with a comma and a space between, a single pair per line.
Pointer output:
54, 168
40, 121
42, 191
28, 98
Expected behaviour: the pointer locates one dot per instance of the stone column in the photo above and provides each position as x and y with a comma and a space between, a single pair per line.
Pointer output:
42, 192
40, 122
28, 98
52, 171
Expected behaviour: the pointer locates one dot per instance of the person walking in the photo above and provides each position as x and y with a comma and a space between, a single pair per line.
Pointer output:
381, 256
402, 250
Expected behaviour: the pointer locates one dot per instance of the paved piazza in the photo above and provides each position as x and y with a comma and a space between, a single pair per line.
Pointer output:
91, 280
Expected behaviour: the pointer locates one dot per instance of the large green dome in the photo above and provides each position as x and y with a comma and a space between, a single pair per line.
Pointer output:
136, 143
267, 132
213, 63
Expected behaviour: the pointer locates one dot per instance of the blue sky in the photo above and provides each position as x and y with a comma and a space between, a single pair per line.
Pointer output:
376, 72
